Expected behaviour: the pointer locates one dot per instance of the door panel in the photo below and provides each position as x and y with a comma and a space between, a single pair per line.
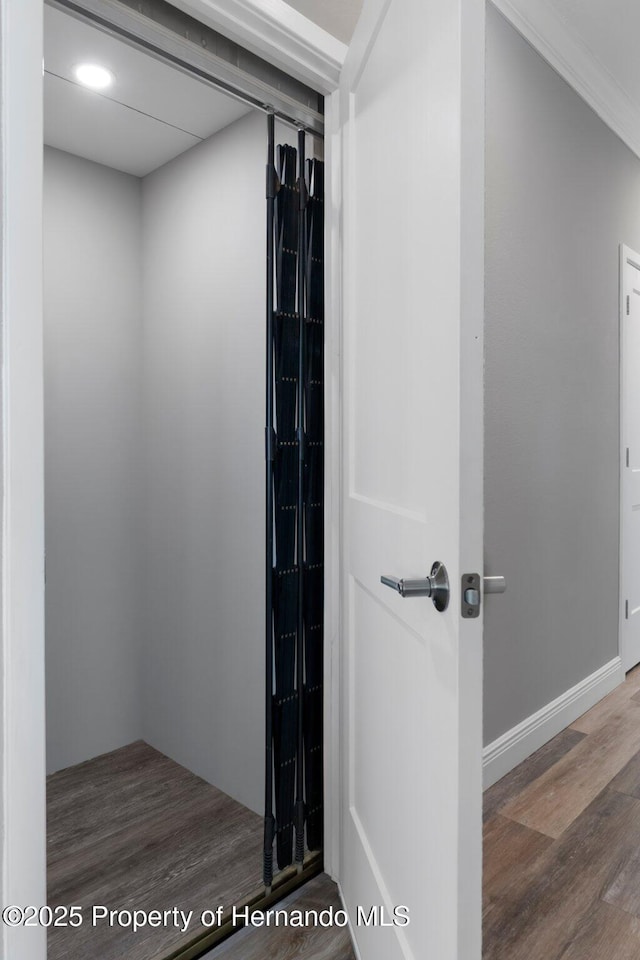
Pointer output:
412, 123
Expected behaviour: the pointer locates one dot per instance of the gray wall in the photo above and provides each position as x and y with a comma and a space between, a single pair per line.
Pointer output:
92, 286
562, 193
155, 458
203, 241
338, 17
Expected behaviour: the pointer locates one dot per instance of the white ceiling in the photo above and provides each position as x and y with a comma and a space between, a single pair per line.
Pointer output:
150, 114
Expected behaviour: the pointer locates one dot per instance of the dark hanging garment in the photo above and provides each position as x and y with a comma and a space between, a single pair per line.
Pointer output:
314, 507
295, 508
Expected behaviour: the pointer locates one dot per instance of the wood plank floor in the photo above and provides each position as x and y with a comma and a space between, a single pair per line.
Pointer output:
293, 943
562, 843
133, 829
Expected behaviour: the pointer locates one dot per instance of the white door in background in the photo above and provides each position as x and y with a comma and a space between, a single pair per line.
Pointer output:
630, 468
413, 140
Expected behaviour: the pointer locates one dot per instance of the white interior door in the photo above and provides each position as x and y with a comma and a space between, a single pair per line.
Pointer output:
630, 469
413, 135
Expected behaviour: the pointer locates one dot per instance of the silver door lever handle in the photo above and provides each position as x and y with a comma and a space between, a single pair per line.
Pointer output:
436, 586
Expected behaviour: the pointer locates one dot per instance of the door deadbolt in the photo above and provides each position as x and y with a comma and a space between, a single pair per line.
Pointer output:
436, 586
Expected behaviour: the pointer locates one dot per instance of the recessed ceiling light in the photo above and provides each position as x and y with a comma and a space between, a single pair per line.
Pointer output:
94, 76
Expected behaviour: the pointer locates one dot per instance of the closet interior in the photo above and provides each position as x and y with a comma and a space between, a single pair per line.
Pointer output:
154, 262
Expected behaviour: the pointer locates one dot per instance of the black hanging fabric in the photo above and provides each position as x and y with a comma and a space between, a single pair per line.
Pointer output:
285, 704
314, 506
303, 199
295, 485
269, 819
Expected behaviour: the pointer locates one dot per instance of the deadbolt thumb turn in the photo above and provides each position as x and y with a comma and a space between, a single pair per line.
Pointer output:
436, 586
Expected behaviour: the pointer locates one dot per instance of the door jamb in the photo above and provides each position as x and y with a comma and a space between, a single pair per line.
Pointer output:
626, 254
22, 731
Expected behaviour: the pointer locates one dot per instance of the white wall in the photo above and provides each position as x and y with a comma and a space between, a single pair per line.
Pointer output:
93, 338
562, 193
203, 674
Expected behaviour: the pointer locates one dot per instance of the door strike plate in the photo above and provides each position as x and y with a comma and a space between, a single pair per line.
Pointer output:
470, 596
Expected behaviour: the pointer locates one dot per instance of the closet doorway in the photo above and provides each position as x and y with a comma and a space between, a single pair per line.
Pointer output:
154, 266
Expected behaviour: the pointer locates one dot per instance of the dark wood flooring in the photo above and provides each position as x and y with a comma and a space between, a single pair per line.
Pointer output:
134, 830
562, 843
293, 943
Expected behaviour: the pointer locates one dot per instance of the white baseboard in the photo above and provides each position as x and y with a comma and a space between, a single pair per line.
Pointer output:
514, 746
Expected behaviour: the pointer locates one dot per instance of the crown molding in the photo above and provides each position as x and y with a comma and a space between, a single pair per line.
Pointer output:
274, 30
547, 33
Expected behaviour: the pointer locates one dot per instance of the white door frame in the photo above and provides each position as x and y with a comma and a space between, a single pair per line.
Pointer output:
626, 254
22, 739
